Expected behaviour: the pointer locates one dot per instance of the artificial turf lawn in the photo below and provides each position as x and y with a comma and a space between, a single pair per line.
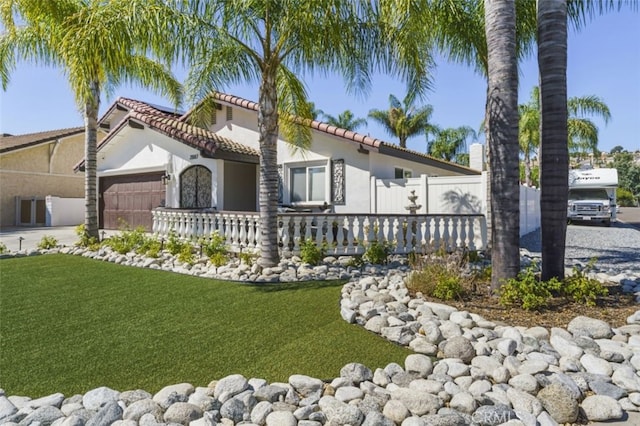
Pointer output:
70, 324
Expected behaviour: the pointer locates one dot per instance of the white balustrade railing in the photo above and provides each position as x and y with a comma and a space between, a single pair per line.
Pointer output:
343, 234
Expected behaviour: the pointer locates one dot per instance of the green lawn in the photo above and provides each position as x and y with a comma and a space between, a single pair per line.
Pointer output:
69, 324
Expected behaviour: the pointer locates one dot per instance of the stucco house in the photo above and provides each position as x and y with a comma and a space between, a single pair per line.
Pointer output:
36, 165
153, 157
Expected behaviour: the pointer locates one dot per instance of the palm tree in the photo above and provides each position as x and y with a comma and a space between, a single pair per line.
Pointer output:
346, 120
554, 130
403, 119
582, 132
449, 143
502, 138
271, 42
98, 45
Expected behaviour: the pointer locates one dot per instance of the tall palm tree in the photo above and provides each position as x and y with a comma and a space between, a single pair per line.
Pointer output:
529, 131
98, 45
582, 132
346, 120
449, 143
502, 138
403, 119
554, 134
271, 42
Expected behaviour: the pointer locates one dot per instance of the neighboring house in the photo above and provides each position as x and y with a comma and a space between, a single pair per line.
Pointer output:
34, 166
152, 157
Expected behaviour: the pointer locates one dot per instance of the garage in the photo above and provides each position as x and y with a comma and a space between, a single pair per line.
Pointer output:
129, 199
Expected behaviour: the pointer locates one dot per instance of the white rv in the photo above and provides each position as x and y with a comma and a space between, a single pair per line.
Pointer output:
592, 195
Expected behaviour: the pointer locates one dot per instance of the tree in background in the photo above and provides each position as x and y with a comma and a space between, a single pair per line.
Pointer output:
345, 120
98, 45
529, 132
448, 144
403, 119
272, 42
628, 176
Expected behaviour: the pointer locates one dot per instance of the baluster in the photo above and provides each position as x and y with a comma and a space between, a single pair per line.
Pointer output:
235, 231
226, 229
327, 228
436, 233
387, 229
418, 224
242, 223
396, 229
454, 233
319, 230
370, 228
352, 244
358, 231
341, 247
464, 220
283, 223
297, 225
446, 234
409, 236
251, 232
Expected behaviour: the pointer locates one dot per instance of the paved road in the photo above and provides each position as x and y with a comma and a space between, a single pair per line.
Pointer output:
28, 238
630, 216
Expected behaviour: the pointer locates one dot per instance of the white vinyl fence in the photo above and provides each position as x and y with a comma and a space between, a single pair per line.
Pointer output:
449, 195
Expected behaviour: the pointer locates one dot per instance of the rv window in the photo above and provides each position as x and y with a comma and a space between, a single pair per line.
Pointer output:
588, 194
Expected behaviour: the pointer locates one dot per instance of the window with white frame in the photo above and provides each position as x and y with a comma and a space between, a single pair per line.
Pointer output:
308, 184
401, 173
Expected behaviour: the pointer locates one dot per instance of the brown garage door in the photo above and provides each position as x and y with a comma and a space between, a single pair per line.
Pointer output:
129, 199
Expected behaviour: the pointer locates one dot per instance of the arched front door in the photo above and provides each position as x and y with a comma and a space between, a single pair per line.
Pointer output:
195, 188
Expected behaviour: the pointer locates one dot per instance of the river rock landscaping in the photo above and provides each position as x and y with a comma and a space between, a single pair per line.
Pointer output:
466, 370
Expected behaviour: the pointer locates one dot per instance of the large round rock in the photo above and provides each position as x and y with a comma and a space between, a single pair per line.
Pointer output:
459, 347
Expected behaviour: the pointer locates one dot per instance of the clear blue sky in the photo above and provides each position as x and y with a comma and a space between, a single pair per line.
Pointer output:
604, 60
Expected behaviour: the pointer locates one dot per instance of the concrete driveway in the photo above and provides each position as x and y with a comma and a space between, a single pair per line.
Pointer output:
27, 238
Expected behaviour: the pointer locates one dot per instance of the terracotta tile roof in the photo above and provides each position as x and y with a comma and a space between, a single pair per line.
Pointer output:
12, 143
196, 137
146, 108
380, 145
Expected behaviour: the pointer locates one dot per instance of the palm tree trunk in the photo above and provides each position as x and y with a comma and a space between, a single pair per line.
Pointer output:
91, 109
527, 169
502, 124
554, 154
268, 129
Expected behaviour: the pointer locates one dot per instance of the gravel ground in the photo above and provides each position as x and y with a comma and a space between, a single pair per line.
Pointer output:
617, 248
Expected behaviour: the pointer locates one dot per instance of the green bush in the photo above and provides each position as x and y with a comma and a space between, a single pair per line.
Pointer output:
129, 240
311, 253
186, 254
150, 246
174, 244
47, 242
625, 198
247, 257
3, 248
218, 259
437, 279
448, 288
528, 291
84, 240
214, 245
583, 289
377, 252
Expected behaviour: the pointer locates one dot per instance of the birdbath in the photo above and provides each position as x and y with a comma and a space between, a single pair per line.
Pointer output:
413, 207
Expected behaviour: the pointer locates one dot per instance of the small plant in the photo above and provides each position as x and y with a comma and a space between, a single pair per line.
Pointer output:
84, 240
174, 245
448, 288
47, 242
218, 259
582, 288
186, 254
129, 240
528, 291
150, 247
311, 253
356, 261
214, 245
247, 257
377, 252
435, 277
3, 248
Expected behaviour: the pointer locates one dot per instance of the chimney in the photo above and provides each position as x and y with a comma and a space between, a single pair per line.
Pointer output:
476, 157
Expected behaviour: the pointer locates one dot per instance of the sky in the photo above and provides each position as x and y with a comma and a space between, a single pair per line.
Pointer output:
603, 60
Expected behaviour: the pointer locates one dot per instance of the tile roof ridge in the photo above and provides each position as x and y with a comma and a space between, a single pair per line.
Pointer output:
63, 130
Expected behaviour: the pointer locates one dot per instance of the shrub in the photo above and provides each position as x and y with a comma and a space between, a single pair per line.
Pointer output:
3, 248
186, 254
311, 253
377, 252
247, 257
174, 245
47, 242
218, 259
583, 289
214, 245
528, 291
129, 240
625, 198
84, 240
438, 275
150, 247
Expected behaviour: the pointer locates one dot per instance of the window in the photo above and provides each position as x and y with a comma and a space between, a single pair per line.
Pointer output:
308, 184
229, 113
401, 173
